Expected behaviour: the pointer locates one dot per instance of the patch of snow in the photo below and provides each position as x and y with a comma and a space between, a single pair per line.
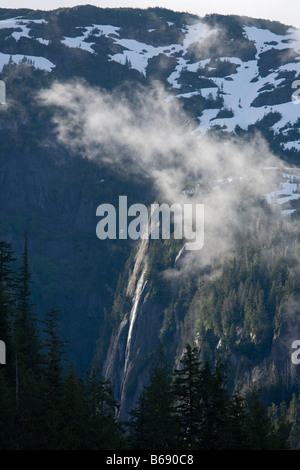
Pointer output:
39, 62
139, 53
19, 23
291, 145
197, 33
205, 92
96, 30
43, 41
287, 211
78, 42
263, 37
188, 95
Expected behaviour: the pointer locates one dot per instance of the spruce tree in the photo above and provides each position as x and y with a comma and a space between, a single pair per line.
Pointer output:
7, 402
137, 436
293, 416
6, 303
154, 424
260, 432
52, 380
104, 431
7, 413
27, 361
72, 435
26, 331
187, 390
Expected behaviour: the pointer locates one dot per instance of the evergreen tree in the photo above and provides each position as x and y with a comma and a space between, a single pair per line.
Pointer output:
137, 425
215, 430
52, 380
6, 302
235, 433
187, 390
54, 349
154, 424
7, 413
26, 331
208, 417
278, 416
7, 392
27, 361
74, 414
293, 416
6, 259
105, 432
260, 432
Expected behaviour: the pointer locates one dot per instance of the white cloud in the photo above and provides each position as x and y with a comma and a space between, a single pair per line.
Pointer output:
144, 135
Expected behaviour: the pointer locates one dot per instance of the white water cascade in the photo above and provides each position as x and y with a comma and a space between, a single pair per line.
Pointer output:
136, 290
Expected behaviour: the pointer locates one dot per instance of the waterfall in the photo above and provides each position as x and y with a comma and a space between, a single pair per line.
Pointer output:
117, 364
119, 361
136, 289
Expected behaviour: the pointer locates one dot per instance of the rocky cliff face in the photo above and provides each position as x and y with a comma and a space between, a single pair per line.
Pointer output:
128, 348
149, 323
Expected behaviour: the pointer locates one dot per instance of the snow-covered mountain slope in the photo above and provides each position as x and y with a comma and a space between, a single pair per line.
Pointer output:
230, 73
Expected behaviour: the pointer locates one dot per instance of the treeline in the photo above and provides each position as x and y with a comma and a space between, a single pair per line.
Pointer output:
45, 405
190, 409
289, 413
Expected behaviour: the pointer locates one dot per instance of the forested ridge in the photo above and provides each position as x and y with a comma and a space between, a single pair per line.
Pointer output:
242, 308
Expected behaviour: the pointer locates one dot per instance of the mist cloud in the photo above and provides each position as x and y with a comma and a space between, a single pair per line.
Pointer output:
144, 133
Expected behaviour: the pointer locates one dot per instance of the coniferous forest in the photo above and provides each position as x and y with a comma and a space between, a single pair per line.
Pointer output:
45, 405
